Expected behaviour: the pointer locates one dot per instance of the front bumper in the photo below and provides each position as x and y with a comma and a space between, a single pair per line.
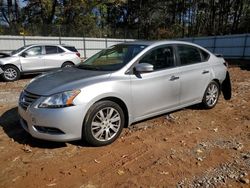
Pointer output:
61, 124
1, 71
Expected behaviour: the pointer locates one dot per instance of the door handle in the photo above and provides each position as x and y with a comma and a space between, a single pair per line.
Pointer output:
174, 78
205, 72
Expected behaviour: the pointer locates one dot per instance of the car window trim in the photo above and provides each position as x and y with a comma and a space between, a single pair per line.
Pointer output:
199, 50
130, 70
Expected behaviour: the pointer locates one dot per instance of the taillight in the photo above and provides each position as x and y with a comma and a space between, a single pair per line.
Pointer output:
78, 54
226, 64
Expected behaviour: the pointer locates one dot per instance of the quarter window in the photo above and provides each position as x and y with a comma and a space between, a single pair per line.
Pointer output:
205, 55
189, 55
160, 58
60, 50
34, 51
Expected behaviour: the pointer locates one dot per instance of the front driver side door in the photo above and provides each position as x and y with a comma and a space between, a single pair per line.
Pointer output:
157, 91
32, 59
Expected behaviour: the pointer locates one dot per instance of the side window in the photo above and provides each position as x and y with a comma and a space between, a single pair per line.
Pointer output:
161, 58
34, 51
51, 49
189, 55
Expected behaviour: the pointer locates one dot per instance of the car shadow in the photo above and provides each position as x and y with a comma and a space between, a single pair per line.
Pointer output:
9, 121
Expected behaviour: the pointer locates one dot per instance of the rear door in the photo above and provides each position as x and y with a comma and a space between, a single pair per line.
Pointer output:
156, 91
195, 73
32, 59
54, 57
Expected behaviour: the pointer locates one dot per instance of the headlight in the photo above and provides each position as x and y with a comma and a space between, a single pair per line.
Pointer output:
60, 100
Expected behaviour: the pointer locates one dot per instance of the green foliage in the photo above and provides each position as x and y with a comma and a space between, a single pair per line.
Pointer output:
146, 19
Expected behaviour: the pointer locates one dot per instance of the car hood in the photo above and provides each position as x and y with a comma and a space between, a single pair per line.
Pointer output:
4, 55
64, 79
7, 60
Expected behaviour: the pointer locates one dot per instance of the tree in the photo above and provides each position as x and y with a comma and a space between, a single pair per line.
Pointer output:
146, 19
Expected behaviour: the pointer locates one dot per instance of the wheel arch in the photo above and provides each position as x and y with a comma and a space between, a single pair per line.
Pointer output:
10, 64
218, 82
68, 61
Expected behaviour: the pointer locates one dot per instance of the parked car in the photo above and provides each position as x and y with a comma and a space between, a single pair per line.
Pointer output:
118, 86
37, 58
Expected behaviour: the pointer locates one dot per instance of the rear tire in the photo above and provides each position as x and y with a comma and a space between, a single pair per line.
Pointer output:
103, 123
67, 64
211, 95
11, 73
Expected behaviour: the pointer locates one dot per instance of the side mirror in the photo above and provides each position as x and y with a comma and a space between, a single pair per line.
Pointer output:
24, 54
144, 67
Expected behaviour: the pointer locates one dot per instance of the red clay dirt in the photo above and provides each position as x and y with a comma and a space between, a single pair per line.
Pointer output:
189, 148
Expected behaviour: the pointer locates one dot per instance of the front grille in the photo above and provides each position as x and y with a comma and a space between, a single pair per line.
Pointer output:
26, 99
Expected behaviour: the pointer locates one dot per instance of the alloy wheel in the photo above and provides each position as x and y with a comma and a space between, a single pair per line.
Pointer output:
106, 124
212, 94
10, 74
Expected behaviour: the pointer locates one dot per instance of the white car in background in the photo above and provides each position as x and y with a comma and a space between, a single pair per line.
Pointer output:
36, 59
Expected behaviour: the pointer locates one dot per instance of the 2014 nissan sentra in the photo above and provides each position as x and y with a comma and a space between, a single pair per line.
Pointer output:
118, 86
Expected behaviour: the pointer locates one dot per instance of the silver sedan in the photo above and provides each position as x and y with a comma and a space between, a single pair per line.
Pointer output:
118, 86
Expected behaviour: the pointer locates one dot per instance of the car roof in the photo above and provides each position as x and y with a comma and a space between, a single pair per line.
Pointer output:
163, 42
48, 45
158, 42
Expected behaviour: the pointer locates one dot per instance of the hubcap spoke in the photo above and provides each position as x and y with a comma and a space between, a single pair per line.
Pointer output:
107, 134
115, 119
99, 133
113, 128
110, 113
96, 125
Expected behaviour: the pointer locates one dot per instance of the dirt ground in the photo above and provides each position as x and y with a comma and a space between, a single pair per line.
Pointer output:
188, 148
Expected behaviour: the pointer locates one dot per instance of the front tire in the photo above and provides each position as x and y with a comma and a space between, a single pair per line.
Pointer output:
11, 73
211, 95
103, 123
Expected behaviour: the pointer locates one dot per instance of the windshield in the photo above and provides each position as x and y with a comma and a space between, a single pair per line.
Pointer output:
18, 50
113, 58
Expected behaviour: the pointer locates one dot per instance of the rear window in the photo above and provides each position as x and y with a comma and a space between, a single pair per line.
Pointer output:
71, 48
